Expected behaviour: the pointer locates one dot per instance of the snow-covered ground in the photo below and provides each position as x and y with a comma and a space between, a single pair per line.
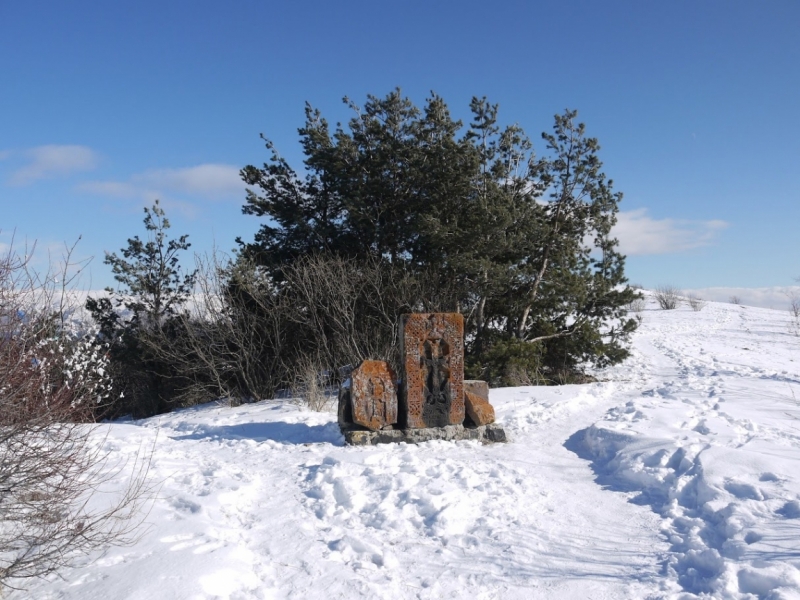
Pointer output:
677, 476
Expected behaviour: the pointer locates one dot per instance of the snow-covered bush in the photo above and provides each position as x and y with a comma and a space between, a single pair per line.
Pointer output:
52, 375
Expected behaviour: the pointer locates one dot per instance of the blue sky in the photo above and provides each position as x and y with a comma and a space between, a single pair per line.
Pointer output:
105, 106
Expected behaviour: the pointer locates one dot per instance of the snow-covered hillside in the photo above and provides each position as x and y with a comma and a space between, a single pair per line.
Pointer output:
676, 476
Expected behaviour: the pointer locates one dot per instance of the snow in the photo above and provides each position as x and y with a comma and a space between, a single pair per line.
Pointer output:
675, 476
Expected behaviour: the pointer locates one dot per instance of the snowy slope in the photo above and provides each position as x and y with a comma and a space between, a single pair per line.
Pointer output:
677, 476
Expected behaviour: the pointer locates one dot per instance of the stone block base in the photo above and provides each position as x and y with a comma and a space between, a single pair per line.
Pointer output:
485, 433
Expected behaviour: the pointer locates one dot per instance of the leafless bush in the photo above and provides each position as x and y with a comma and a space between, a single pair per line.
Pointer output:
348, 310
233, 340
637, 305
794, 305
311, 385
51, 466
667, 296
735, 300
696, 303
794, 311
249, 335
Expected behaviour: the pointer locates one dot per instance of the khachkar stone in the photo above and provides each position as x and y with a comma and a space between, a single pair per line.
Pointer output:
433, 370
373, 395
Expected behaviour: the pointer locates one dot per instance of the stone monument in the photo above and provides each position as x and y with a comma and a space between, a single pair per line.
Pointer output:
430, 402
374, 395
433, 369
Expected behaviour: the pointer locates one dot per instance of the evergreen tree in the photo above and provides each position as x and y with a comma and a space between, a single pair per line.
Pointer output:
527, 240
152, 282
152, 290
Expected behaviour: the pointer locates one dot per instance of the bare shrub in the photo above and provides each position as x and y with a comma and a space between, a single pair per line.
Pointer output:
51, 464
667, 296
794, 311
347, 310
735, 300
231, 342
637, 306
248, 335
311, 386
696, 303
794, 305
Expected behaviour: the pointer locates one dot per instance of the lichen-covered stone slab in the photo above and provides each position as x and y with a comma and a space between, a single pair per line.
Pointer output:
478, 409
477, 387
373, 395
433, 370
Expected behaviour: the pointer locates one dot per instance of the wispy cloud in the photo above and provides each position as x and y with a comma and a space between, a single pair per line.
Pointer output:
210, 181
44, 162
777, 297
640, 234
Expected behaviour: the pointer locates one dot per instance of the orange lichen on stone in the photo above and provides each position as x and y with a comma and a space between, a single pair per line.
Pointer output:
478, 409
477, 387
373, 395
432, 346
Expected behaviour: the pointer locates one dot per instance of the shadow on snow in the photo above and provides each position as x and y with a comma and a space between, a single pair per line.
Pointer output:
276, 431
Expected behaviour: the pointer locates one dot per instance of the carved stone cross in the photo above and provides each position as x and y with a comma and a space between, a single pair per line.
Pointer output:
433, 370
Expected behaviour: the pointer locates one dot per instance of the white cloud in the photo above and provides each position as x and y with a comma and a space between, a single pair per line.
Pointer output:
640, 234
117, 189
211, 181
52, 160
777, 297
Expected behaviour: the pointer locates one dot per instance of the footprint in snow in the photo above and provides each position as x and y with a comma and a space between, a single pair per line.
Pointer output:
184, 505
790, 510
743, 491
200, 543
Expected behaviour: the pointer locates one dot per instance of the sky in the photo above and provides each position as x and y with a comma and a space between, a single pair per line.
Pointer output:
106, 106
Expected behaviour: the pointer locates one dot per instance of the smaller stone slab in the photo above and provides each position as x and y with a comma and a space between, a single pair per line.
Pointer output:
477, 387
486, 434
373, 395
478, 409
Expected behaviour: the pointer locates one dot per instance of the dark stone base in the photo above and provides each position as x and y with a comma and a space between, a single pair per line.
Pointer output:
485, 433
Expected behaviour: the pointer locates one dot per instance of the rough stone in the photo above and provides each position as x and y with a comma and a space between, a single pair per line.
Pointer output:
373, 395
495, 433
486, 434
433, 370
478, 409
477, 387
345, 412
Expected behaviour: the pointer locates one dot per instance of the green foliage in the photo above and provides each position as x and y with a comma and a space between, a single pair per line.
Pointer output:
508, 362
151, 281
140, 315
522, 243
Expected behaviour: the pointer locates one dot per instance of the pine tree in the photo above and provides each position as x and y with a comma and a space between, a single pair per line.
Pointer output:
152, 290
152, 282
527, 240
